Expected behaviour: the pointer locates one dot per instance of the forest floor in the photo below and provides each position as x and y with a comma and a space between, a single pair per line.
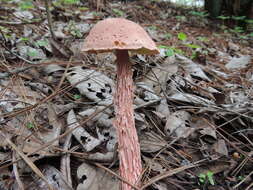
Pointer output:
193, 102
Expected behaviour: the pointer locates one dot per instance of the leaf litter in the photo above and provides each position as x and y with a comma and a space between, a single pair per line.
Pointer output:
193, 101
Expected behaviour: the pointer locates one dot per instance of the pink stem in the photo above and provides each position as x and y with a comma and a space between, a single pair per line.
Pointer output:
129, 147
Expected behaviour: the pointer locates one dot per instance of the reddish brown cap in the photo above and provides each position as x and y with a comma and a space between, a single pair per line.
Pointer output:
119, 34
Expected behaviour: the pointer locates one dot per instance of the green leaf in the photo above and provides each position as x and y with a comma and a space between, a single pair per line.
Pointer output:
237, 29
249, 21
4, 29
163, 47
178, 51
193, 46
169, 52
202, 178
71, 2
152, 27
203, 39
83, 8
32, 53
77, 96
168, 35
76, 32
194, 55
238, 17
182, 36
30, 125
181, 18
199, 13
25, 5
42, 43
118, 12
209, 175
223, 17
24, 39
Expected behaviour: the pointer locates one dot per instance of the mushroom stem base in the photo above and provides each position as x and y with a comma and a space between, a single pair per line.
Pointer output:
129, 147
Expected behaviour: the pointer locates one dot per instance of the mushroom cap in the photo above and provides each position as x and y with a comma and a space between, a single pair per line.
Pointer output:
119, 34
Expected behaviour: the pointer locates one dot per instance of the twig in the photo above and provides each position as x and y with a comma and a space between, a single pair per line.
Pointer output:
50, 143
240, 166
148, 103
17, 23
241, 182
65, 160
49, 19
27, 160
251, 185
20, 57
167, 174
15, 170
64, 74
119, 177
14, 71
228, 141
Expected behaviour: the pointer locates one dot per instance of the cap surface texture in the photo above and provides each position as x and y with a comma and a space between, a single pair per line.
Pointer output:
118, 34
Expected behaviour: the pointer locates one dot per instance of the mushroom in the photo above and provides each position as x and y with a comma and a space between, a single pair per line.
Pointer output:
121, 35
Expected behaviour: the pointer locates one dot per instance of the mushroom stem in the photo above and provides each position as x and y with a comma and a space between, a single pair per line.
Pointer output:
129, 147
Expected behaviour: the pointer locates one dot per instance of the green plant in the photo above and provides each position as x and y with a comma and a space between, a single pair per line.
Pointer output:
237, 30
249, 23
202, 39
167, 35
181, 18
32, 53
182, 36
199, 13
238, 18
30, 125
206, 177
240, 178
70, 2
59, 3
77, 96
74, 31
41, 43
222, 17
170, 51
118, 12
5, 1
152, 27
193, 46
4, 29
83, 8
25, 5
24, 39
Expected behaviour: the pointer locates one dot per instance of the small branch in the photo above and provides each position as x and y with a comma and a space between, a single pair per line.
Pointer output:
167, 174
14, 71
2, 22
64, 74
15, 170
65, 161
27, 160
49, 19
116, 175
